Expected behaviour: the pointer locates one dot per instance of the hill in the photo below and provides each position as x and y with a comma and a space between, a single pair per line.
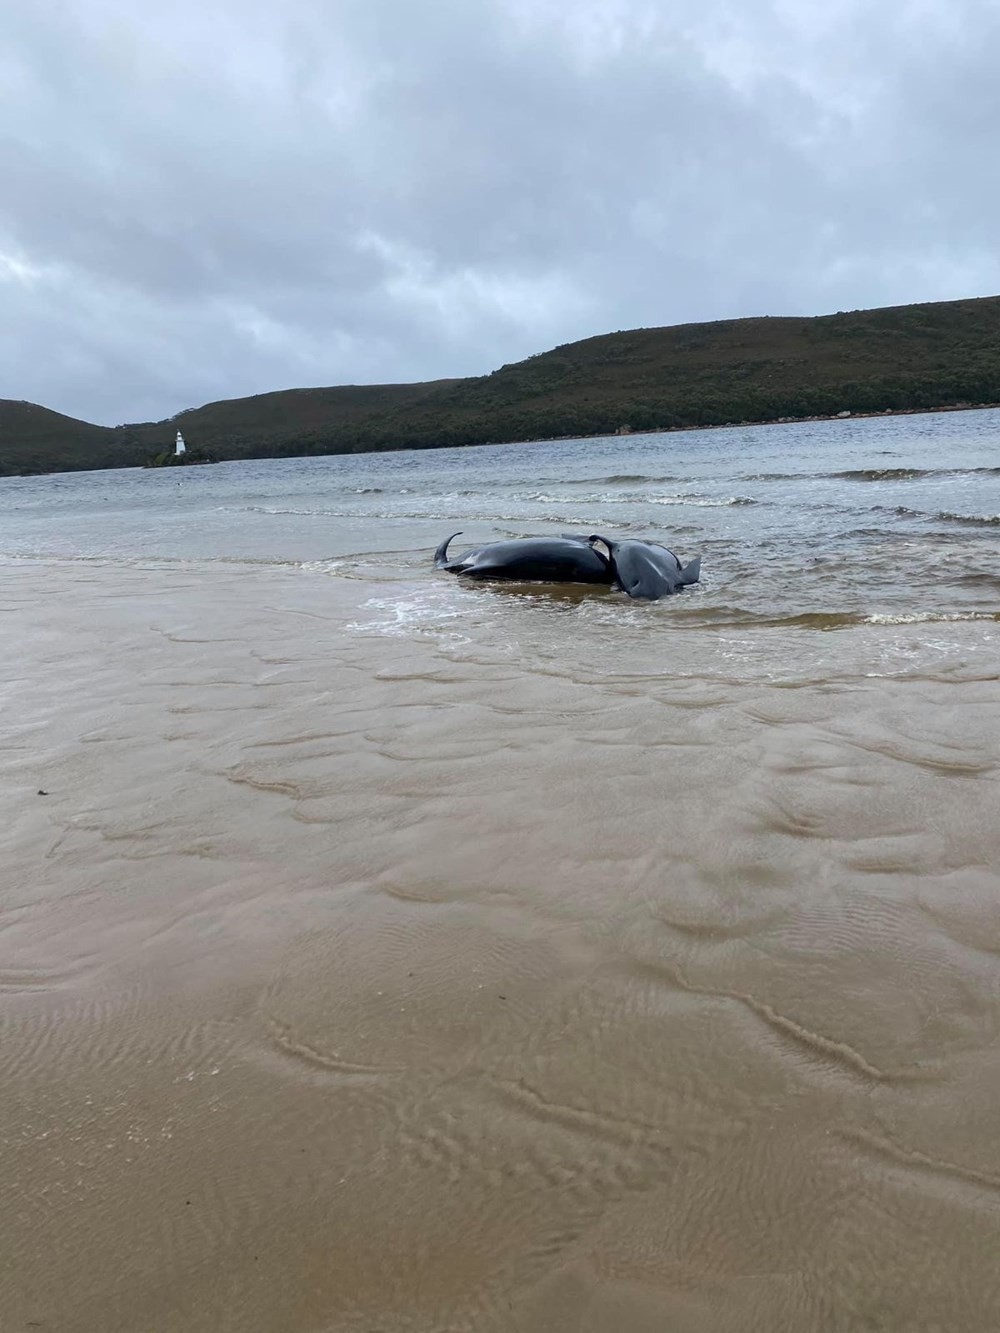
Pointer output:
897, 358
35, 439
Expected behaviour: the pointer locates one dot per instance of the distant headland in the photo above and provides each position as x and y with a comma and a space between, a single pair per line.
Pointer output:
915, 358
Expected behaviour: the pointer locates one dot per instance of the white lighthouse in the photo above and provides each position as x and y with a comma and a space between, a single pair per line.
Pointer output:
180, 447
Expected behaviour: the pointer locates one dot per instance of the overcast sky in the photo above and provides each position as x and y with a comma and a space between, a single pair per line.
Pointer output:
211, 198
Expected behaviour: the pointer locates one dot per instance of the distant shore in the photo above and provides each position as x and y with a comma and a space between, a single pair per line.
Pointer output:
771, 421
892, 361
624, 432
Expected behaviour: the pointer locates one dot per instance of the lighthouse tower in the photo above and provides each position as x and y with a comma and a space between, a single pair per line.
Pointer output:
181, 447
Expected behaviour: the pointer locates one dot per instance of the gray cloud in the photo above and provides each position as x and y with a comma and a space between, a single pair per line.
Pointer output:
216, 200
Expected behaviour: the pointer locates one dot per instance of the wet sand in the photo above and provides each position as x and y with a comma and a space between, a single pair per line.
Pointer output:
352, 981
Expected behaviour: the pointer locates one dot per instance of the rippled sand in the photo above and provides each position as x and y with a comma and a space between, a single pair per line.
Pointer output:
357, 978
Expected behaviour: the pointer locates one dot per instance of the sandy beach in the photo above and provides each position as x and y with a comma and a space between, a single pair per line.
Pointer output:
380, 953
350, 983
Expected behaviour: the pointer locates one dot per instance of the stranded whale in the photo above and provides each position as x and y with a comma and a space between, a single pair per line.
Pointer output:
647, 569
529, 559
640, 569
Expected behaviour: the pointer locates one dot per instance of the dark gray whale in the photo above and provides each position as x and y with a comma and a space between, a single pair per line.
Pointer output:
647, 569
641, 569
530, 559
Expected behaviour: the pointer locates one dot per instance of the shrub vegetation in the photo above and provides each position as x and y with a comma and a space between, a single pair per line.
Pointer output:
742, 370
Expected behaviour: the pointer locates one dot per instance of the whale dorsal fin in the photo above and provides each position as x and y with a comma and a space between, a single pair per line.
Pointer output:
441, 554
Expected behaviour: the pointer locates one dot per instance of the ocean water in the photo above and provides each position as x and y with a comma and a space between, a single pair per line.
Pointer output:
887, 523
381, 951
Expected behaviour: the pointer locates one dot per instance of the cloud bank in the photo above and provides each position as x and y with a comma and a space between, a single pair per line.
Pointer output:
216, 200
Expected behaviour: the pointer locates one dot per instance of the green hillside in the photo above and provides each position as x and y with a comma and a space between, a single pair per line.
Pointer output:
34, 439
903, 357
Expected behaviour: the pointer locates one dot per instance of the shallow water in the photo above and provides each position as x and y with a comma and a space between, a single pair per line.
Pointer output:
391, 953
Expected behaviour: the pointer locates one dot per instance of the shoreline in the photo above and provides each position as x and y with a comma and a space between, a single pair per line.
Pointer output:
738, 425
621, 432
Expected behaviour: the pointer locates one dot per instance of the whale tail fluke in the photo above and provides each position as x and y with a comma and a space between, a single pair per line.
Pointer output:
690, 573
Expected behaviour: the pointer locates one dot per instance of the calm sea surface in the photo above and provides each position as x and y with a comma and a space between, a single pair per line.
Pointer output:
384, 952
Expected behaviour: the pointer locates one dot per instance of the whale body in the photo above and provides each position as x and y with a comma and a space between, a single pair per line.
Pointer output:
647, 569
640, 569
530, 559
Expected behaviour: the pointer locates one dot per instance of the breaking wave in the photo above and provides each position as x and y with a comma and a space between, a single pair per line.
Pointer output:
635, 479
876, 474
882, 474
736, 617
702, 502
697, 501
970, 520
930, 617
